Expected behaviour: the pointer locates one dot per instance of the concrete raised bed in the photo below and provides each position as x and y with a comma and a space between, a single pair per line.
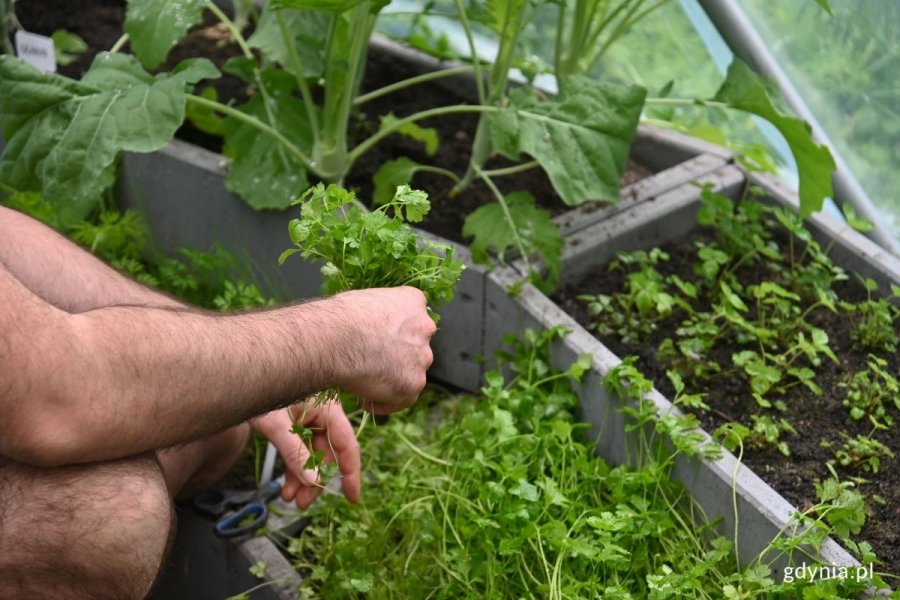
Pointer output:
761, 511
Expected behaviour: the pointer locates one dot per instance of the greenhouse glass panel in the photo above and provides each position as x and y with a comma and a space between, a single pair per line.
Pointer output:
845, 67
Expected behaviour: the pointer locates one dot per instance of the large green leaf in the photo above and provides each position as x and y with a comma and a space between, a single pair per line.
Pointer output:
581, 137
263, 171
309, 30
745, 90
493, 232
63, 136
154, 26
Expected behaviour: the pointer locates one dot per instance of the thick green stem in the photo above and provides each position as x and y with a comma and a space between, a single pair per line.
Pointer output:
482, 146
473, 50
232, 28
364, 146
400, 85
512, 170
120, 43
520, 245
347, 46
252, 121
297, 67
686, 102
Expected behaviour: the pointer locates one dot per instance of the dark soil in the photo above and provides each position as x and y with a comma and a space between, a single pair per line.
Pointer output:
816, 418
455, 132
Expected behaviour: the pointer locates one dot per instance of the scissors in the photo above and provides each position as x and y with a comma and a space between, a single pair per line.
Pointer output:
238, 512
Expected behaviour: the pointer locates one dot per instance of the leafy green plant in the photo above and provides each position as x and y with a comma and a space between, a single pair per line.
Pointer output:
876, 316
861, 452
211, 279
503, 498
281, 135
632, 315
871, 392
764, 326
363, 249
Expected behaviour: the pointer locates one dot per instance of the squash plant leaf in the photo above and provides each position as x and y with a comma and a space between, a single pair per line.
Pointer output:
262, 171
492, 232
745, 90
310, 32
154, 26
580, 138
391, 174
63, 136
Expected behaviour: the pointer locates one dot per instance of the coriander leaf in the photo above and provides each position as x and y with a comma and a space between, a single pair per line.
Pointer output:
580, 138
492, 232
414, 204
258, 569
745, 90
154, 26
524, 490
390, 175
362, 249
263, 172
309, 29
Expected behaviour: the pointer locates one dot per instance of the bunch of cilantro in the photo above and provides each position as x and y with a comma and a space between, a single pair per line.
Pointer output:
365, 249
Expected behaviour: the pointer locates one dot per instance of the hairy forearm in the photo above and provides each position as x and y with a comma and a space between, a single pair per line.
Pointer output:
63, 274
94, 366
122, 380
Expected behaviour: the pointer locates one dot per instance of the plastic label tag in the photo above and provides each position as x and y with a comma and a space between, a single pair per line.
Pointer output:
36, 50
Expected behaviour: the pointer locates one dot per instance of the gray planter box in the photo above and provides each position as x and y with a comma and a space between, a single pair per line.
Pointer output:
761, 511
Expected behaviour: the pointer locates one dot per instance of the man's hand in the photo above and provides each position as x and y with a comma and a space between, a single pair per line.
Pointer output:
393, 352
334, 436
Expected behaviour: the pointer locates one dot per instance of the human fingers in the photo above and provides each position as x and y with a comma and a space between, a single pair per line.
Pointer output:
395, 339
276, 427
338, 442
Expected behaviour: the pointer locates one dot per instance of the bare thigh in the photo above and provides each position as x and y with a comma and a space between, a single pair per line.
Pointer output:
84, 531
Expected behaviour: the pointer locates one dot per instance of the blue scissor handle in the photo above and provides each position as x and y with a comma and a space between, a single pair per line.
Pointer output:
246, 520
216, 503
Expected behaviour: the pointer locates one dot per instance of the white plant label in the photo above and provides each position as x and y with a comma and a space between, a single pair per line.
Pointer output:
36, 50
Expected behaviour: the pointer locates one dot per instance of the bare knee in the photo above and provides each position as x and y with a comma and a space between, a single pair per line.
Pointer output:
87, 531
